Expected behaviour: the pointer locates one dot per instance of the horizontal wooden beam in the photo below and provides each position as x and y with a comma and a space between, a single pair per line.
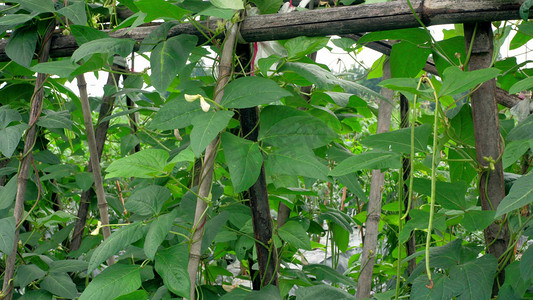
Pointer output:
331, 21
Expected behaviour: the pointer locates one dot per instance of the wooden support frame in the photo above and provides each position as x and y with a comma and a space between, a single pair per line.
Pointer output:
331, 21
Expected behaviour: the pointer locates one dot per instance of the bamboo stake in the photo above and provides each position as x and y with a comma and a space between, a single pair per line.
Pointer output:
206, 174
95, 161
364, 285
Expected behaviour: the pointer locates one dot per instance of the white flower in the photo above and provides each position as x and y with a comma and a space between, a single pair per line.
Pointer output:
205, 106
192, 98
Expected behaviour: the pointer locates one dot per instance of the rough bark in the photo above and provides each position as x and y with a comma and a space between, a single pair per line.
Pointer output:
406, 163
364, 285
95, 161
25, 165
331, 21
488, 142
206, 174
106, 107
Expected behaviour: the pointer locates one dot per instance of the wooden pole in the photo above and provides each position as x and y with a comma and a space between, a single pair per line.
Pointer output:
206, 174
95, 161
487, 139
368, 257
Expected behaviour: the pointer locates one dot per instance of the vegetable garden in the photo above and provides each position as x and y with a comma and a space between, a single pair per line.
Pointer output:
220, 172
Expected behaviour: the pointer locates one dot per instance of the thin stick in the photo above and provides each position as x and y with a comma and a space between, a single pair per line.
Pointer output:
95, 161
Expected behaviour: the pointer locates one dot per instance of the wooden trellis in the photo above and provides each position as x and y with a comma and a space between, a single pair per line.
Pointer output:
351, 21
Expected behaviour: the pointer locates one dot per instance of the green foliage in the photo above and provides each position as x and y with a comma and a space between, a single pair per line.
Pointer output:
318, 145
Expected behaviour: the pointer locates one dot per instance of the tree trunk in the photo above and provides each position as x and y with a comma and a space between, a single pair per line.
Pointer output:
106, 107
364, 285
487, 139
406, 163
206, 174
25, 163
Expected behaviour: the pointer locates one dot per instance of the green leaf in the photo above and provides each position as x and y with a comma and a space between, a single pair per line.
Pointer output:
413, 35
252, 91
158, 232
244, 160
522, 131
143, 164
513, 151
340, 236
136, 295
62, 68
84, 180
221, 13
114, 281
168, 58
15, 19
294, 234
171, 265
148, 201
26, 274
56, 119
420, 220
463, 126
409, 85
443, 287
156, 36
21, 46
525, 264
60, 284
176, 114
322, 291
323, 272
7, 235
521, 194
268, 6
477, 276
299, 130
407, 59
457, 81
231, 4
68, 265
367, 160
524, 9
84, 34
37, 6
212, 227
522, 85
400, 140
157, 9
109, 46
75, 12
10, 138
8, 115
8, 193
301, 160
206, 128
36, 295
337, 217
477, 220
116, 241
301, 46
449, 195
269, 292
